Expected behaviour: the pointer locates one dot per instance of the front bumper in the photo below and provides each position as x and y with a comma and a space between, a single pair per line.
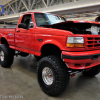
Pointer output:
81, 60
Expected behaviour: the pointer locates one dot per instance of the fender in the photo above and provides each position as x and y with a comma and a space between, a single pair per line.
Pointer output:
54, 42
3, 36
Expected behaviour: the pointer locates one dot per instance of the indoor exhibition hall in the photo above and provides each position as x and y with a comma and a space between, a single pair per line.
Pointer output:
49, 49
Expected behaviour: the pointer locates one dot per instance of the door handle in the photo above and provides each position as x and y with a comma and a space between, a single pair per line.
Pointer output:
18, 30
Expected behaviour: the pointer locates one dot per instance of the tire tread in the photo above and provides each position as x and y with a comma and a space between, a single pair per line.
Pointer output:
62, 78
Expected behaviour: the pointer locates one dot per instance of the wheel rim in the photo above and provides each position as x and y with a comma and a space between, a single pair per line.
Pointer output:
47, 76
2, 56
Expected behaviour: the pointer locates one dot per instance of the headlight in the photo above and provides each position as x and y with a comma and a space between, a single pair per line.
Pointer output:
94, 30
75, 42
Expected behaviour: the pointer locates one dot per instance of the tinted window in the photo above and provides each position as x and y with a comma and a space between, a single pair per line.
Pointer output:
47, 19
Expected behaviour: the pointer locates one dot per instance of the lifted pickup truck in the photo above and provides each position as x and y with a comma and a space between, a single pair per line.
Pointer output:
63, 48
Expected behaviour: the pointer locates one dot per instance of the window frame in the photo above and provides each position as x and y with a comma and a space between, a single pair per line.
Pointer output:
29, 20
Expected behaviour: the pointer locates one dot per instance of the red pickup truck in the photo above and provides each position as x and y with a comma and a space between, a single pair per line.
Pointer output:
62, 47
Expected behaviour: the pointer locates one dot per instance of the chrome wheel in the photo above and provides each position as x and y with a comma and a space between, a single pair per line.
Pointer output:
2, 56
47, 76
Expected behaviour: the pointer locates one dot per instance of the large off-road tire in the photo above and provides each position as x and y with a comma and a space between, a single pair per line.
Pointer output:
6, 56
52, 75
92, 72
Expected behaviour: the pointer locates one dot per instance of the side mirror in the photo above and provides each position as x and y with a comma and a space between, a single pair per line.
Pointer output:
22, 25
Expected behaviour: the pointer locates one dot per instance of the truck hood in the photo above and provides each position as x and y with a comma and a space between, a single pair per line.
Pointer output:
81, 24
76, 27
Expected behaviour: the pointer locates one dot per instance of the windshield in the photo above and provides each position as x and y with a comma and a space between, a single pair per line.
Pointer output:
47, 19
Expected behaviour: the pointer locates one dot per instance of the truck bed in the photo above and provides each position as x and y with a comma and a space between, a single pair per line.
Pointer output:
7, 26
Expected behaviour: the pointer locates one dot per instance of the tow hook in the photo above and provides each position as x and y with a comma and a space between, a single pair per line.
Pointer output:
72, 75
88, 69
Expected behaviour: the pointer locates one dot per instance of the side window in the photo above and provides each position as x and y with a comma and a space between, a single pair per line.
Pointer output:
27, 19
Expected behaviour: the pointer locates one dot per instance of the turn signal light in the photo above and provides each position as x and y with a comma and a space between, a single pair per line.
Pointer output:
75, 45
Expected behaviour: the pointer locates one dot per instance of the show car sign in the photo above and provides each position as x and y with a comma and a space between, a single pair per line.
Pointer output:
1, 9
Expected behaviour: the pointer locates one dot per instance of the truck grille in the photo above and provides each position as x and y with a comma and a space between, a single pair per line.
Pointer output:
93, 42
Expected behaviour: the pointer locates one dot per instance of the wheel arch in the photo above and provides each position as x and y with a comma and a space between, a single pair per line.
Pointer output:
53, 42
3, 40
50, 49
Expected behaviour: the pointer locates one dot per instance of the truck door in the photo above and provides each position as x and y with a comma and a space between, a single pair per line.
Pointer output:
24, 38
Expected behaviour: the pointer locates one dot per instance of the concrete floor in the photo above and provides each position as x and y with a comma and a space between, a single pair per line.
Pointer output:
20, 80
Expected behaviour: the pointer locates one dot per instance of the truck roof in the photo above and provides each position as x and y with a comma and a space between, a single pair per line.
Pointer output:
32, 12
40, 12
